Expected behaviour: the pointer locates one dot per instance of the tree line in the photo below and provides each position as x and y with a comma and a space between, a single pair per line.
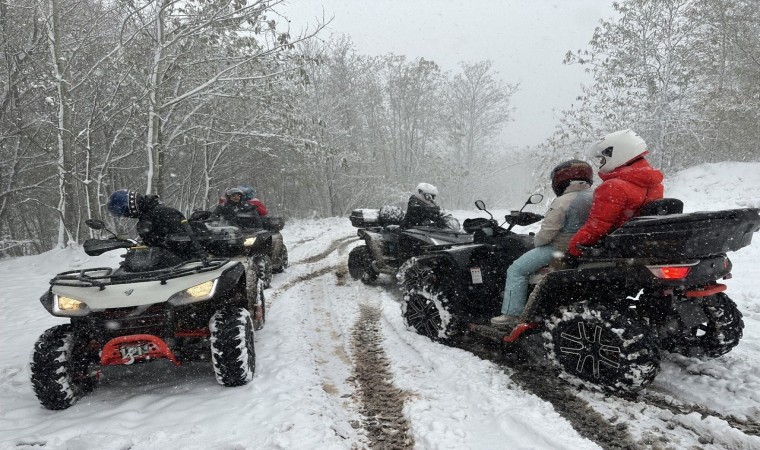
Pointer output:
685, 74
186, 98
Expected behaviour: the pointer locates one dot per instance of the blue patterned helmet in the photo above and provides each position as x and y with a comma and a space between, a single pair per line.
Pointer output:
123, 203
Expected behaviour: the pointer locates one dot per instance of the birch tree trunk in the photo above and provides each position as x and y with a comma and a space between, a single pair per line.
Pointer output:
63, 130
154, 99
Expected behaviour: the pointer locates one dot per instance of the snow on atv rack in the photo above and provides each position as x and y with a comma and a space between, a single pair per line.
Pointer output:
102, 277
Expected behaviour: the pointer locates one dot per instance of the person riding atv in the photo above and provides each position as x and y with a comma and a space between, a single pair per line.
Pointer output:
650, 285
265, 244
571, 182
422, 211
156, 221
237, 211
168, 299
392, 237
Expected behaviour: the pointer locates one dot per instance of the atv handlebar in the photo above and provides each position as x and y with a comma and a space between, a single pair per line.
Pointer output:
95, 247
522, 218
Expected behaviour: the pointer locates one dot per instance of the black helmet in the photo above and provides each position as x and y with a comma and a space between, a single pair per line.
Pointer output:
573, 170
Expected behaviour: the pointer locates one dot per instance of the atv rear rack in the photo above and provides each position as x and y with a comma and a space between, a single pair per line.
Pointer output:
105, 276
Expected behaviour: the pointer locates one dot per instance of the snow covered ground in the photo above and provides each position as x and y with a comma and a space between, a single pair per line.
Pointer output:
306, 394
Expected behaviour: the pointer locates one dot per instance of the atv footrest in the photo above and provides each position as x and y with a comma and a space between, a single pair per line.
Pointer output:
504, 335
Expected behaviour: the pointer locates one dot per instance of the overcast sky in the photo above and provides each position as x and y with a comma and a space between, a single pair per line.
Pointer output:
526, 40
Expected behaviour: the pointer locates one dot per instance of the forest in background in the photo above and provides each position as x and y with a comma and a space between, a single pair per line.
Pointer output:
186, 98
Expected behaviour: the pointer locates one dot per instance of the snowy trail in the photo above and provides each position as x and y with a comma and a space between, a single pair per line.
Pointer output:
308, 391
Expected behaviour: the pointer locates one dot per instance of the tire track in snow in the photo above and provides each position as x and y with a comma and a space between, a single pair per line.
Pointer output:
382, 402
340, 269
676, 407
613, 432
334, 245
546, 385
378, 400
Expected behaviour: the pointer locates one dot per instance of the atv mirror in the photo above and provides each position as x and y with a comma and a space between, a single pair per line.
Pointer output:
95, 224
482, 206
535, 198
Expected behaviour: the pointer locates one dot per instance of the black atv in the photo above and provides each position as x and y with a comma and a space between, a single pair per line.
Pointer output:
651, 285
388, 245
265, 245
156, 304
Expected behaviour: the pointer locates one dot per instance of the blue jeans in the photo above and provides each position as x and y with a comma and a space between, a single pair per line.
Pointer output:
516, 288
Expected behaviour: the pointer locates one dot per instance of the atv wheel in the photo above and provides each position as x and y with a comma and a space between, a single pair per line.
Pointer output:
60, 368
283, 260
264, 269
718, 336
360, 265
426, 308
232, 349
605, 347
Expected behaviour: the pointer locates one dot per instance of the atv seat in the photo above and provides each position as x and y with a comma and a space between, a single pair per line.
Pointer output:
662, 207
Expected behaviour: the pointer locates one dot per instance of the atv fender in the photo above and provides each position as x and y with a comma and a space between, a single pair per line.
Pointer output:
140, 292
276, 244
374, 242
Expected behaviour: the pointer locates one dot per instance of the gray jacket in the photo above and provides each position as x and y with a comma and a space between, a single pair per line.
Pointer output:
566, 215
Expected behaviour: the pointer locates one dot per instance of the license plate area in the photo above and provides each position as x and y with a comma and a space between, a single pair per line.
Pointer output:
135, 351
476, 275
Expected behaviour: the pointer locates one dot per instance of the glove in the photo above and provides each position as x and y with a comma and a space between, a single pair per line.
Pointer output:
574, 251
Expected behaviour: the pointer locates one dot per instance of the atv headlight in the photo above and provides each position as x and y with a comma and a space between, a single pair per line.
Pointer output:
67, 306
197, 293
249, 241
201, 290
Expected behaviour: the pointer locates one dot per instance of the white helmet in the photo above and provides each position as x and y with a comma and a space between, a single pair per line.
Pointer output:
427, 191
617, 149
427, 188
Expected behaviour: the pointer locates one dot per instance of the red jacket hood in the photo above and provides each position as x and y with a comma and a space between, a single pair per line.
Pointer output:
639, 173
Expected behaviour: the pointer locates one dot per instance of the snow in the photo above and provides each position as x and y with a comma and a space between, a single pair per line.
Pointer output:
304, 394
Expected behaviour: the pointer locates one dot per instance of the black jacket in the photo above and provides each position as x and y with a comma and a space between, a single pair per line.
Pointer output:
156, 222
420, 214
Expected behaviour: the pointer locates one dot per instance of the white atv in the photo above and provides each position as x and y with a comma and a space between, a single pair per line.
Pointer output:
155, 305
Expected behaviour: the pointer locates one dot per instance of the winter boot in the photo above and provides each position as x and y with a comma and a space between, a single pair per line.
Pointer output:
505, 321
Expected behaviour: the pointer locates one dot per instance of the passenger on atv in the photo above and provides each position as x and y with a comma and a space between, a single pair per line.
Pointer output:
629, 182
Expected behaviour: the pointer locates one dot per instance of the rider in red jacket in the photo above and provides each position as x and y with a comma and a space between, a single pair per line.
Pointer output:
249, 195
629, 183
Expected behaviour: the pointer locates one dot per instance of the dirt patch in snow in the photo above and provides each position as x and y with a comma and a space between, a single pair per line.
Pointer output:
543, 382
382, 402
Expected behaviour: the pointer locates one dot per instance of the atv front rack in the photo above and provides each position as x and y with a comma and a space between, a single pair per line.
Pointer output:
107, 276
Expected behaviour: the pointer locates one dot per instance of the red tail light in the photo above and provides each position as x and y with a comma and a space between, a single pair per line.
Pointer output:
670, 272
